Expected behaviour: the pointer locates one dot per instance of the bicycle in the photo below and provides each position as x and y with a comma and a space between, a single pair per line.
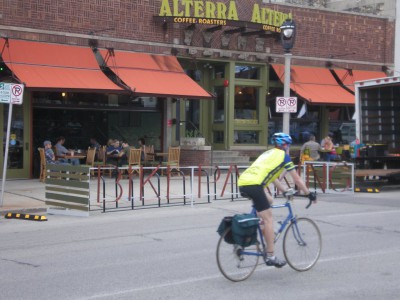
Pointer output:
302, 245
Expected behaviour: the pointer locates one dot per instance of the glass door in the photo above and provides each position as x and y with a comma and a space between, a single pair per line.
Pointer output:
18, 148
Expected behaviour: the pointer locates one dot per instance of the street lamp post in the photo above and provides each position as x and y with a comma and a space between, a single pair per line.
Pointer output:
288, 35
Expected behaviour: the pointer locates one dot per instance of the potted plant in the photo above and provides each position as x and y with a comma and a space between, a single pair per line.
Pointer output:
193, 138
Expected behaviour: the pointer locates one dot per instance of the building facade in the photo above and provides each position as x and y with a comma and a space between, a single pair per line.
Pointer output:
108, 69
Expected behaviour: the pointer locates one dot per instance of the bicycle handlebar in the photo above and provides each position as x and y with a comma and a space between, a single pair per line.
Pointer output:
290, 193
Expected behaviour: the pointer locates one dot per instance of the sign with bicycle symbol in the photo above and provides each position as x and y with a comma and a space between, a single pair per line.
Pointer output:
286, 104
11, 93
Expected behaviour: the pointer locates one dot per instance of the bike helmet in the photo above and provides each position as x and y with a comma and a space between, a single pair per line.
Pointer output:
281, 138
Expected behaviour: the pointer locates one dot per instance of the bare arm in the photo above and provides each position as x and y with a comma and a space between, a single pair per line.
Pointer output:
279, 185
299, 182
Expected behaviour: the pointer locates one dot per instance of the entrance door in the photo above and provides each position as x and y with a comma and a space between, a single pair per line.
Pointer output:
18, 155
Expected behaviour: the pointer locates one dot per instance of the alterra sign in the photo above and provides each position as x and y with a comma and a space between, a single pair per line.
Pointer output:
192, 11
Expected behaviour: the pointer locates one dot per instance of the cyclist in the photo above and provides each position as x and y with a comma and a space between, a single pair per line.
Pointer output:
264, 171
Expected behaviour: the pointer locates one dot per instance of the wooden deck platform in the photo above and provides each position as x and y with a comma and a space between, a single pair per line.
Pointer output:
377, 172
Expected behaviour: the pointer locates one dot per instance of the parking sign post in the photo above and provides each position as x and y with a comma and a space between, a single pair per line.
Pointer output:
12, 94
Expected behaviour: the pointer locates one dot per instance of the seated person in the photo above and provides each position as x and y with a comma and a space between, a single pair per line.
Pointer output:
124, 154
49, 154
62, 152
313, 148
328, 146
113, 152
114, 148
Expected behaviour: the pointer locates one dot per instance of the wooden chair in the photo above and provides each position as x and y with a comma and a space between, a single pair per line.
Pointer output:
134, 159
102, 159
42, 177
149, 156
91, 153
174, 154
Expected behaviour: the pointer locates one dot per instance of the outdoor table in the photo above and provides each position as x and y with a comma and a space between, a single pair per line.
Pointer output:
161, 156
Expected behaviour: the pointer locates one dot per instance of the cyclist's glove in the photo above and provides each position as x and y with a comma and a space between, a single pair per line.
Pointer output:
288, 192
312, 196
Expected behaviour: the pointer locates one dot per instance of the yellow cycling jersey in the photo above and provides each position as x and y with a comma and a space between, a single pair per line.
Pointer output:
267, 167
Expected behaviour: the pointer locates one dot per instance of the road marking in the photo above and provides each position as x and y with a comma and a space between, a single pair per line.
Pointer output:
363, 213
181, 282
139, 289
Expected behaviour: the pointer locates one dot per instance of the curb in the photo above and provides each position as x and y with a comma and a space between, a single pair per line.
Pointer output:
25, 217
367, 190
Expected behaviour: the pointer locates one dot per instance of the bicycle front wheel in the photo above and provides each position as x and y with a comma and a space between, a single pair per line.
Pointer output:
234, 262
302, 244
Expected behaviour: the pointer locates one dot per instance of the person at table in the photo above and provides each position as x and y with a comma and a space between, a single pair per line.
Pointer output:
62, 152
125, 153
313, 148
329, 149
49, 154
114, 148
113, 152
330, 134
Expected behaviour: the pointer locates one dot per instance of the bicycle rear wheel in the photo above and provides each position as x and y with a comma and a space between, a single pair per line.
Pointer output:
232, 260
302, 244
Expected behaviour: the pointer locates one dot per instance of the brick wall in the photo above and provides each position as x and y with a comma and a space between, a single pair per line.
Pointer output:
321, 33
195, 157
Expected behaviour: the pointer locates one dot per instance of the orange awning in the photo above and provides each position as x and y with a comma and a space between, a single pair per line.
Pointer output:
154, 75
316, 85
55, 66
349, 77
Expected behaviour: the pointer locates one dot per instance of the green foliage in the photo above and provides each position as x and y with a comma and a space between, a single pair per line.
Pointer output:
193, 133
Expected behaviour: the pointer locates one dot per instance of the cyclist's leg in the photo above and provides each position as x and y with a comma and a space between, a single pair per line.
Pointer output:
261, 203
268, 230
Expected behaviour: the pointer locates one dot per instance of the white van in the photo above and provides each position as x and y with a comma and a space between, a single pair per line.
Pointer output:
348, 131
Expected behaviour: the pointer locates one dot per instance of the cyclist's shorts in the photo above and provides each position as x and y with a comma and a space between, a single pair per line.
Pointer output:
257, 194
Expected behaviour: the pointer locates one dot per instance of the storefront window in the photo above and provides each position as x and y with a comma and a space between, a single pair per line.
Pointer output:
218, 137
247, 72
219, 71
192, 115
92, 100
246, 137
246, 105
16, 144
219, 106
80, 116
302, 124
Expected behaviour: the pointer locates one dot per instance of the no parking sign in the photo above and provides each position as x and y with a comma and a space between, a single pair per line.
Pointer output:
286, 104
11, 93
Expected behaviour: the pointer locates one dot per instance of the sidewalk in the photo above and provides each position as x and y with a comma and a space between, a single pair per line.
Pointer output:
28, 195
23, 196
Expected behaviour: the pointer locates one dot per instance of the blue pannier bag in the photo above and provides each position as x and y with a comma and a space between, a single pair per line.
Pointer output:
244, 229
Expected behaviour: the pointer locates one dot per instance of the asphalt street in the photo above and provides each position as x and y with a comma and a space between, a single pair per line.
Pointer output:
169, 253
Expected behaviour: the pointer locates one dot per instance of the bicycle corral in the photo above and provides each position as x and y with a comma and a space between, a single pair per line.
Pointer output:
145, 187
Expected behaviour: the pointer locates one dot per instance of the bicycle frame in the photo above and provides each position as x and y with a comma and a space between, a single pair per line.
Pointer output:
289, 218
301, 244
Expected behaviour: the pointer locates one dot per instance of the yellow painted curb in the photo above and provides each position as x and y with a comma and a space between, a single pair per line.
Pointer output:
25, 217
367, 190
